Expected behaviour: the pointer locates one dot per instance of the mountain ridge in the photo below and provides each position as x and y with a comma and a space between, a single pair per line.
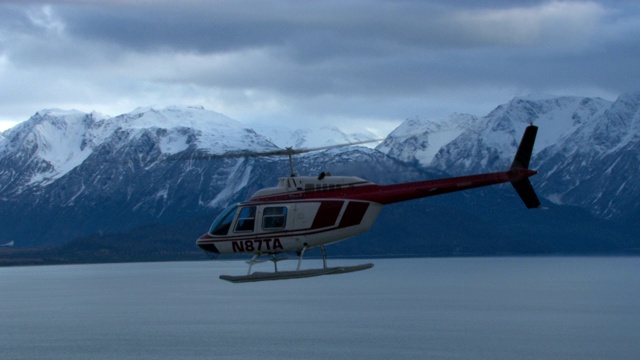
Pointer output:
579, 140
68, 175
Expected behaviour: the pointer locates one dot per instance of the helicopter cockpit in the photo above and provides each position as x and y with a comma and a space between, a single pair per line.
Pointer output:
222, 223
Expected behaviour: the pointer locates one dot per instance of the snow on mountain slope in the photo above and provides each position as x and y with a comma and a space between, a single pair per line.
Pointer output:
53, 141
491, 143
418, 140
597, 166
556, 117
464, 143
586, 148
213, 131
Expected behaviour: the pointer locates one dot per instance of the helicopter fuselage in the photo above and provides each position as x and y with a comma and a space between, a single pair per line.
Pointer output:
308, 211
301, 211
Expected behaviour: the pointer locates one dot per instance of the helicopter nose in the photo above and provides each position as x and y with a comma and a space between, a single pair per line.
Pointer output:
205, 243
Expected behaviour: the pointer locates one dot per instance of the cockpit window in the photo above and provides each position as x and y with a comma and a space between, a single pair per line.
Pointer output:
246, 219
223, 222
274, 217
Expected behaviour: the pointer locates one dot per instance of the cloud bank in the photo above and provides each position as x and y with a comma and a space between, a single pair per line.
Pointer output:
355, 64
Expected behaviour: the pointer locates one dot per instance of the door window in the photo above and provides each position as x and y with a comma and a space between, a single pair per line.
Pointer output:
274, 217
246, 219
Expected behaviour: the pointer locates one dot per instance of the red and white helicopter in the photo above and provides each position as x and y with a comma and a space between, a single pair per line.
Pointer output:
304, 212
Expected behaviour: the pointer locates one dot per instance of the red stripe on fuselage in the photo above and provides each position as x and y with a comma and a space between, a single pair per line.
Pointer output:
388, 194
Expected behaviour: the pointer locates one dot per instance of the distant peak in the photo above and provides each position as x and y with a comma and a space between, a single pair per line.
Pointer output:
536, 97
58, 112
176, 116
168, 107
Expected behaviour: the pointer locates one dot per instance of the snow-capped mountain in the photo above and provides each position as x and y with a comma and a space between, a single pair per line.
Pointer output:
463, 143
597, 165
586, 150
52, 143
41, 150
418, 141
67, 174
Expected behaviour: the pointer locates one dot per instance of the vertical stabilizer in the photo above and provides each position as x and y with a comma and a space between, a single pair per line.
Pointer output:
521, 161
523, 156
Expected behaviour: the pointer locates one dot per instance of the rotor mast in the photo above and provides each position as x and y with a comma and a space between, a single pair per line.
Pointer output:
290, 152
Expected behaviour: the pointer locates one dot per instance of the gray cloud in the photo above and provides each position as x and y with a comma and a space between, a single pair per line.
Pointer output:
365, 62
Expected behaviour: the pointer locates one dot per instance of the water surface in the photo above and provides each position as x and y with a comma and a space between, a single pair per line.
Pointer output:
455, 308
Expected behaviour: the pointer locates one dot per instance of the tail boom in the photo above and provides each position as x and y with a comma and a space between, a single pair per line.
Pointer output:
389, 194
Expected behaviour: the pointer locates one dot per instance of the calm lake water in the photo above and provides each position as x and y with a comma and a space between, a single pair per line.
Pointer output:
460, 308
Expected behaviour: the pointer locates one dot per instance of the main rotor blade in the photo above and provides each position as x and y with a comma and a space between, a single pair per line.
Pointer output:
288, 151
301, 151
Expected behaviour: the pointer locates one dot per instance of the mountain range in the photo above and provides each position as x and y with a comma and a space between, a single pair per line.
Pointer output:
137, 183
587, 148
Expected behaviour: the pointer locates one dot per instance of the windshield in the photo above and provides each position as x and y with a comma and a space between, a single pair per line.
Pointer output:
222, 223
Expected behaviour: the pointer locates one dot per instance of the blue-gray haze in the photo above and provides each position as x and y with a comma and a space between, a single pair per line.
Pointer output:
460, 308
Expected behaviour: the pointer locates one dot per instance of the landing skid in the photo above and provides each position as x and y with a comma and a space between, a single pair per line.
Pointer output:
295, 274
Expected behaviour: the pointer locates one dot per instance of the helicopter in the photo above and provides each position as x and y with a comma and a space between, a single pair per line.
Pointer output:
306, 212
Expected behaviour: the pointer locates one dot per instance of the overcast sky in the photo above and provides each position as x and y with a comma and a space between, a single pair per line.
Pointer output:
354, 64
